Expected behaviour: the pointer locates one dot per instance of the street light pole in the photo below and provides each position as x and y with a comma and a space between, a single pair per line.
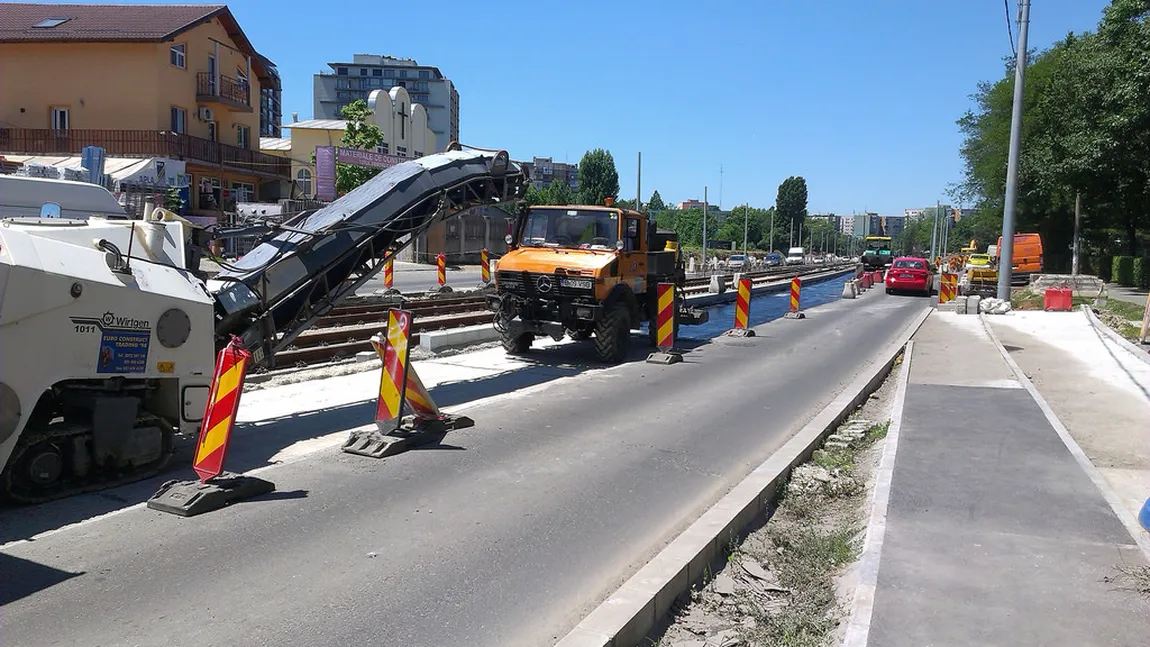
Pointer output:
746, 219
704, 230
1077, 225
1010, 205
934, 232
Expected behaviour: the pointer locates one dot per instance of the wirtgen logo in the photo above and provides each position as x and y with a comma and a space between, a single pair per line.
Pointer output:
110, 321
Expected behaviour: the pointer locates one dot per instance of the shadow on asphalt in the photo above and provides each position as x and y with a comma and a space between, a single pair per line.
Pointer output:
255, 443
23, 578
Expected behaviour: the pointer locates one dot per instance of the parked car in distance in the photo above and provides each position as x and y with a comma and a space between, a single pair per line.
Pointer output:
910, 274
773, 259
736, 262
796, 256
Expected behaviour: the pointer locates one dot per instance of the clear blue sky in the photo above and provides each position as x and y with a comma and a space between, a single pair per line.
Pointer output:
858, 97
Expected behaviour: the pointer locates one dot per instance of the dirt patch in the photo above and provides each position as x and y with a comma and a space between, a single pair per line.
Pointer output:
790, 580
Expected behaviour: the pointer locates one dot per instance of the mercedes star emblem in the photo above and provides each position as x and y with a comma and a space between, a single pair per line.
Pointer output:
544, 284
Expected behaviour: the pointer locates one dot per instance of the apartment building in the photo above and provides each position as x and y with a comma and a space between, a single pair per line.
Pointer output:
425, 84
179, 82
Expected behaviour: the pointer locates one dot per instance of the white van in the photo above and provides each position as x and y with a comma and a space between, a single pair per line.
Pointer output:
795, 256
35, 197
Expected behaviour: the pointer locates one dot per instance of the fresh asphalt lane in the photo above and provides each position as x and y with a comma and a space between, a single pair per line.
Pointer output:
507, 534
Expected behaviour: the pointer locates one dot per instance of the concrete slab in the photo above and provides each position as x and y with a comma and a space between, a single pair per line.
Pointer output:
955, 349
994, 533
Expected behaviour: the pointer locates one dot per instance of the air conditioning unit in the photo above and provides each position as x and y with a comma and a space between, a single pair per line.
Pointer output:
205, 114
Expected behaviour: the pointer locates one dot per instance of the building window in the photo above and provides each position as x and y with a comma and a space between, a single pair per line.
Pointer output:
418, 154
179, 120
49, 23
403, 74
363, 71
243, 136
401, 151
383, 148
243, 191
242, 78
60, 120
342, 71
377, 72
389, 74
425, 74
178, 56
303, 180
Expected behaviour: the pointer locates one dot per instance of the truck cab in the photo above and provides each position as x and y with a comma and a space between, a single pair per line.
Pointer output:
581, 270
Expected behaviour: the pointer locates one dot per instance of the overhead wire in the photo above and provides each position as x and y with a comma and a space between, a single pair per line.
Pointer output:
1009, 28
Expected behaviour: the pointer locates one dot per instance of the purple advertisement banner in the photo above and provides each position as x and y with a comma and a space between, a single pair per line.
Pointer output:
325, 173
367, 158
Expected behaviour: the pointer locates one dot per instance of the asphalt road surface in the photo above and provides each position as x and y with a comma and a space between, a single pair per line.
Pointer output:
507, 534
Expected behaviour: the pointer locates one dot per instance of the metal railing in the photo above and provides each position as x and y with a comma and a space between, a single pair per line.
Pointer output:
142, 143
235, 91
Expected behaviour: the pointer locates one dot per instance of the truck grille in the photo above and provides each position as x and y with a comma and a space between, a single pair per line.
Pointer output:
542, 286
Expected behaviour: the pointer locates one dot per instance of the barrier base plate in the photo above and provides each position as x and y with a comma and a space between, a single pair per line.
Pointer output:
739, 332
666, 357
795, 315
439, 290
412, 432
190, 498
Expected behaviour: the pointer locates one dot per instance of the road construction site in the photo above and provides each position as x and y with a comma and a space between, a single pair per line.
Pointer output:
503, 534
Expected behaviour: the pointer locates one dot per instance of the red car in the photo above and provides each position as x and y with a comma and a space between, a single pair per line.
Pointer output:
909, 274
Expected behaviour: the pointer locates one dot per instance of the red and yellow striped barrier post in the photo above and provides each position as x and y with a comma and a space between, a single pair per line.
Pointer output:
663, 326
393, 381
485, 263
796, 294
211, 492
742, 311
400, 388
441, 268
220, 415
947, 288
389, 273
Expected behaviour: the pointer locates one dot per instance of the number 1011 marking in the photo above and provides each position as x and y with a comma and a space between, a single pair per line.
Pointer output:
85, 328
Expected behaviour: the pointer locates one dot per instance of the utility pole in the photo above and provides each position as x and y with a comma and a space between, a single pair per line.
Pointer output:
746, 219
704, 231
772, 245
1010, 206
934, 232
1077, 225
639, 185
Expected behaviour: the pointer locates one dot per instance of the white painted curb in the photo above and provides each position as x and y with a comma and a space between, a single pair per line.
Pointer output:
629, 614
1141, 537
858, 627
1126, 344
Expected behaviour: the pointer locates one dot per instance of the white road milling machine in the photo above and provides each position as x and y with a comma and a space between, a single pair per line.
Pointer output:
108, 339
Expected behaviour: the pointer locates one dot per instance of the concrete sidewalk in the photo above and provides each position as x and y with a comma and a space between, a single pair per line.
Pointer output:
995, 534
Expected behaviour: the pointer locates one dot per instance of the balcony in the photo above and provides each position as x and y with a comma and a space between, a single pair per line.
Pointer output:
233, 94
144, 143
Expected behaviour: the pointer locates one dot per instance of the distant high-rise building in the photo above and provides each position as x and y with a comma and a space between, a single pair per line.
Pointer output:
425, 84
544, 171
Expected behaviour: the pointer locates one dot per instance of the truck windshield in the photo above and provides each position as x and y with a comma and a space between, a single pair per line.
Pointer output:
877, 246
575, 228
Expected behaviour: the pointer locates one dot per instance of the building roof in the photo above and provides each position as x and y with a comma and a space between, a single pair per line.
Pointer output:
91, 23
275, 143
318, 124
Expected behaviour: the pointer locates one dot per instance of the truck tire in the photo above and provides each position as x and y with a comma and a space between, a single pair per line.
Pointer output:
613, 335
517, 345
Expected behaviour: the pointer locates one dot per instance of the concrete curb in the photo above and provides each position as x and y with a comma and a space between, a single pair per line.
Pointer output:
1118, 339
780, 285
1141, 537
438, 340
862, 608
629, 614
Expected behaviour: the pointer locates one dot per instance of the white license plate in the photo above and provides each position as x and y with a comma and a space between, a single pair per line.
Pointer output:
906, 276
578, 284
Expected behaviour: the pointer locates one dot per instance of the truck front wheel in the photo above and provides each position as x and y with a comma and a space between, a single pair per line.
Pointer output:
516, 344
613, 335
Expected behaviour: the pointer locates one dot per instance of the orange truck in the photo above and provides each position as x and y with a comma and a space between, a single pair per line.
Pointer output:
583, 271
1027, 256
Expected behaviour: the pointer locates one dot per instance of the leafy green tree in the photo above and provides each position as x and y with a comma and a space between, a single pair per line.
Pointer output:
557, 193
656, 202
791, 201
361, 134
172, 200
625, 204
598, 178
532, 195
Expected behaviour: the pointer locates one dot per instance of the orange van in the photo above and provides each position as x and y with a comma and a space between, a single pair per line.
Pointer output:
1027, 257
